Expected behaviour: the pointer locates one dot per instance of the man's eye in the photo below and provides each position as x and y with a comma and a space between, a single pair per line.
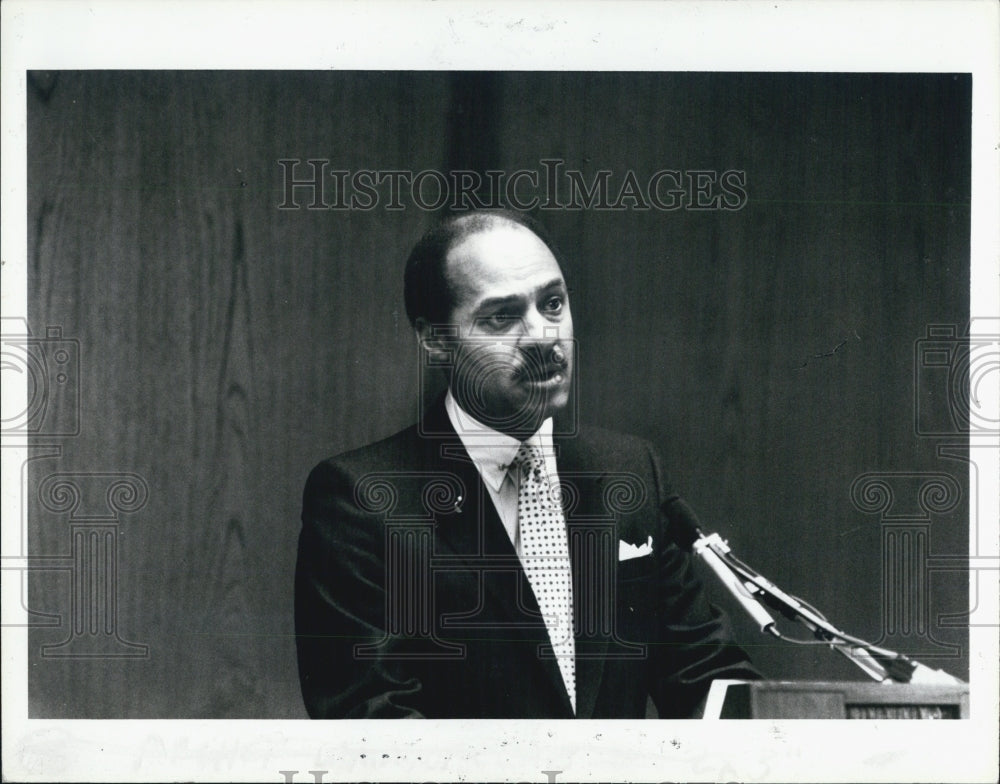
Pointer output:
554, 304
500, 319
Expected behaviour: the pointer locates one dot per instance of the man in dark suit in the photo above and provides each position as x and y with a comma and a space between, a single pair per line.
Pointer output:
495, 560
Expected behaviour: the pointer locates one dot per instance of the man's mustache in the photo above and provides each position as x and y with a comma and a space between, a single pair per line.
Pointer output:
537, 362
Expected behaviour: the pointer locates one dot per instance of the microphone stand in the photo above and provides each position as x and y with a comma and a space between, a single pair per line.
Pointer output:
878, 663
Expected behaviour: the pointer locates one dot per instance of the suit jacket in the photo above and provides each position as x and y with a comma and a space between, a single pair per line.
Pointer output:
410, 600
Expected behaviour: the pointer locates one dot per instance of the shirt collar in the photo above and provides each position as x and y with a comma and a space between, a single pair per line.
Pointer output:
491, 451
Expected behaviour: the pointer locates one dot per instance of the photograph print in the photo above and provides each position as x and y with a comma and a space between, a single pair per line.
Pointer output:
497, 394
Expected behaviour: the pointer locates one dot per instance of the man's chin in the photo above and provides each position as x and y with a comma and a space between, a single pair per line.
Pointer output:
556, 401
529, 416
522, 410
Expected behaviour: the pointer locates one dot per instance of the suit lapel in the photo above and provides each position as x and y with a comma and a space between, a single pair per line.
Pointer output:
593, 542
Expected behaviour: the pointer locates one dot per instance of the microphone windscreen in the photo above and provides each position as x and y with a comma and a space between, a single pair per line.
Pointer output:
683, 524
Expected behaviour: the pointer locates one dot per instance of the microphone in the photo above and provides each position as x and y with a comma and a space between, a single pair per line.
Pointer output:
746, 585
687, 534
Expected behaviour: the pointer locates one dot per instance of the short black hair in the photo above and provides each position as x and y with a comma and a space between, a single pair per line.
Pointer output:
427, 292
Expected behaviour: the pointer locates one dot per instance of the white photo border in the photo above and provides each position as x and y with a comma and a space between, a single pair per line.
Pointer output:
945, 36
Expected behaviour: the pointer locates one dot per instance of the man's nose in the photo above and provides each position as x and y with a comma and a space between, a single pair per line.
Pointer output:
539, 342
537, 329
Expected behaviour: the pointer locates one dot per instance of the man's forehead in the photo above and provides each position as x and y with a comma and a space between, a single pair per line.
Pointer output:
506, 257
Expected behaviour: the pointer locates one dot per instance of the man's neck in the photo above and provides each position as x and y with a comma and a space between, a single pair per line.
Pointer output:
469, 426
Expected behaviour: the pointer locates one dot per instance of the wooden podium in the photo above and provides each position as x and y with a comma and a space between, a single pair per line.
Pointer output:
835, 700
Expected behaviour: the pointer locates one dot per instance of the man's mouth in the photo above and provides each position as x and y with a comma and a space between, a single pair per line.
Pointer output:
551, 375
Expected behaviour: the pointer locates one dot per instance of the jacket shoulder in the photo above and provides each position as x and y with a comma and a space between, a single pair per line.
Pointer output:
608, 437
340, 474
394, 473
609, 447
394, 451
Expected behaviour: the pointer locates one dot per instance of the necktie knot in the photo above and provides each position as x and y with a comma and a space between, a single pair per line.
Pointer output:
529, 460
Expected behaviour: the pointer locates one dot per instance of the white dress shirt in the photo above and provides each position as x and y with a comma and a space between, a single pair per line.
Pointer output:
492, 453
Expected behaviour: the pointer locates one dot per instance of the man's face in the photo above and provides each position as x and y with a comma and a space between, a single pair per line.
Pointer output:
513, 361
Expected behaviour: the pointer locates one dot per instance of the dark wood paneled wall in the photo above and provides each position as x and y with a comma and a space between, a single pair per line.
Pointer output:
226, 345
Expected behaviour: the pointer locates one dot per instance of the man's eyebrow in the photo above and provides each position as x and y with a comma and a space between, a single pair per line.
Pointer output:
512, 299
493, 302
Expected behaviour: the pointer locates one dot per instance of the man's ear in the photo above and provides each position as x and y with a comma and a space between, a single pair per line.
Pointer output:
432, 341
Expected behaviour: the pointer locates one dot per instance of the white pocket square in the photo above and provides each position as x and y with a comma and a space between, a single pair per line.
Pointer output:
627, 551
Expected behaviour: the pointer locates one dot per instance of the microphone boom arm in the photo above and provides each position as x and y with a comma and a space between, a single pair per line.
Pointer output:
878, 663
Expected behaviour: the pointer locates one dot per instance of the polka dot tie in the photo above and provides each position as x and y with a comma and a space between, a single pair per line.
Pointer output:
545, 556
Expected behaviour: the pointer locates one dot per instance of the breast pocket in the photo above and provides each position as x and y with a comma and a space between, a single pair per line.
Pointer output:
632, 569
